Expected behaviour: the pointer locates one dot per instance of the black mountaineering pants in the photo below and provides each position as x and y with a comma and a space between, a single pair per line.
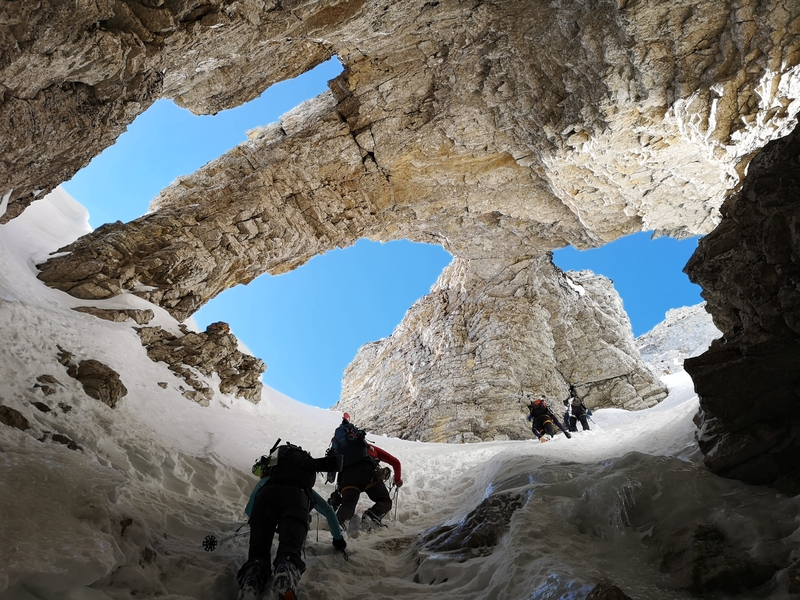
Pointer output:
286, 508
358, 478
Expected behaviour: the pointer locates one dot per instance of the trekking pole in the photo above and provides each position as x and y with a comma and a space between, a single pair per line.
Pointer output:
317, 526
396, 504
594, 422
210, 542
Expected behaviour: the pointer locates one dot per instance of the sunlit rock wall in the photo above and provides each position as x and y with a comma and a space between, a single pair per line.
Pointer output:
493, 129
455, 369
685, 332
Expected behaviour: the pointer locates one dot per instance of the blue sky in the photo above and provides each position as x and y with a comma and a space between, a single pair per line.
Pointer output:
307, 325
647, 274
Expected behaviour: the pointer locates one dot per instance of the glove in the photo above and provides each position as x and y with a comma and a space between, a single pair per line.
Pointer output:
339, 544
398, 483
335, 500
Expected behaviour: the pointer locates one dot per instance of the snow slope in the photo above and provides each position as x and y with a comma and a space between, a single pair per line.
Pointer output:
123, 517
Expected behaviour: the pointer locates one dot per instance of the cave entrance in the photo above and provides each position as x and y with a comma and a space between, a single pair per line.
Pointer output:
647, 274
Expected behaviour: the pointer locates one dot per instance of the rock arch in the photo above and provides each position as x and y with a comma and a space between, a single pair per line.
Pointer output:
498, 130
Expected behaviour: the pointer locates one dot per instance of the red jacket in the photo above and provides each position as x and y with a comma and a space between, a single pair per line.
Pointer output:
384, 456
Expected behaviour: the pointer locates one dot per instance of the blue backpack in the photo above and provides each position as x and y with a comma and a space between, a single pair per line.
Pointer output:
348, 440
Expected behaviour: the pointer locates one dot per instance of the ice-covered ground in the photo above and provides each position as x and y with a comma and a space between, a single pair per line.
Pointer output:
124, 516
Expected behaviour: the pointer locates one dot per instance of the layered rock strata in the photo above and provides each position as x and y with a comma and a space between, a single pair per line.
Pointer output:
458, 365
749, 381
139, 316
497, 130
494, 129
75, 74
195, 355
684, 333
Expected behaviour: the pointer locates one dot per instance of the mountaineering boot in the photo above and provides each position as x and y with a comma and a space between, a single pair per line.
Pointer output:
354, 526
251, 578
370, 521
250, 590
287, 576
343, 524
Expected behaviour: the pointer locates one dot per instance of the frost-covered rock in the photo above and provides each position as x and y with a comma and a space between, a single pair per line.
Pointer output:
684, 332
214, 351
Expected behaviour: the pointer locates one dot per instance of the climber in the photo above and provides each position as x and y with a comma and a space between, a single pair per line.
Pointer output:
578, 410
542, 419
281, 501
361, 473
567, 414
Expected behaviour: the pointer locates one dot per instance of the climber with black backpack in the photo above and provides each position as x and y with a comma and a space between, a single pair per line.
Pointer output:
361, 473
543, 421
283, 503
577, 410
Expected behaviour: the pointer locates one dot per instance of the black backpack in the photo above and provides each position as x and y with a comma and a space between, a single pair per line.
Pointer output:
538, 408
290, 465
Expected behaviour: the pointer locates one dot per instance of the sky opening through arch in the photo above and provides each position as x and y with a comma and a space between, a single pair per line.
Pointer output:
167, 141
647, 274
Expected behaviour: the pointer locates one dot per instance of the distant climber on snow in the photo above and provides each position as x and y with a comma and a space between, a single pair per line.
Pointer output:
542, 419
361, 472
281, 501
576, 411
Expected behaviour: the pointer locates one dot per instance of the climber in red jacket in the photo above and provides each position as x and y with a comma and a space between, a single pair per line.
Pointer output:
362, 473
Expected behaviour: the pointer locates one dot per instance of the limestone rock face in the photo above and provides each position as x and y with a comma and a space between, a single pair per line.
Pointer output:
141, 317
455, 368
214, 351
498, 130
75, 74
685, 332
747, 381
